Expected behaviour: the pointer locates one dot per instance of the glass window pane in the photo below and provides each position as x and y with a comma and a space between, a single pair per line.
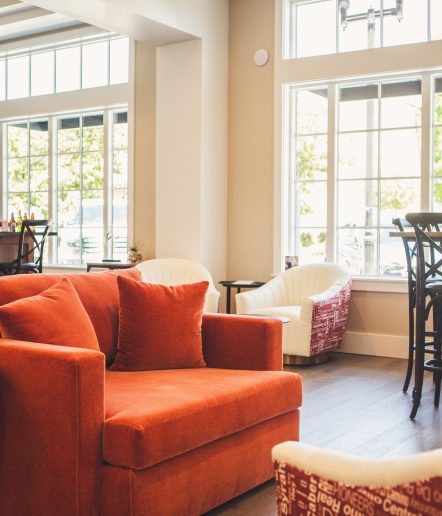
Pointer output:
411, 28
398, 196
39, 140
68, 170
119, 243
2, 79
68, 134
18, 139
438, 101
119, 207
358, 155
119, 61
39, 174
311, 157
311, 204
311, 245
69, 246
69, 208
39, 205
357, 251
437, 194
312, 19
42, 73
92, 245
357, 203
120, 169
362, 28
391, 256
93, 167
95, 64
92, 207
18, 77
120, 130
311, 111
436, 19
68, 69
400, 153
358, 107
401, 104
17, 175
17, 202
93, 132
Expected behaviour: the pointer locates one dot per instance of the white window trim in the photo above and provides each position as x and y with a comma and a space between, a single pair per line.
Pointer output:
403, 59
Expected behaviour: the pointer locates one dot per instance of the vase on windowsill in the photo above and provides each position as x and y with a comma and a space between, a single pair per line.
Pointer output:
134, 254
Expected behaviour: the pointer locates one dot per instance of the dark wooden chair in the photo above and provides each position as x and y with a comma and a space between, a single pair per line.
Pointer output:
36, 232
410, 248
428, 299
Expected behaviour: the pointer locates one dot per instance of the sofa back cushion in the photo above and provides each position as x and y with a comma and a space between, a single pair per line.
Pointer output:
97, 291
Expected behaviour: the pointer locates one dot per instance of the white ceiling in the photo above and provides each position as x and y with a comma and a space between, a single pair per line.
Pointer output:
19, 20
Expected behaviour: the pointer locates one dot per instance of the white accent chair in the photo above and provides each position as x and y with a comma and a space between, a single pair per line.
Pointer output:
176, 271
343, 484
315, 299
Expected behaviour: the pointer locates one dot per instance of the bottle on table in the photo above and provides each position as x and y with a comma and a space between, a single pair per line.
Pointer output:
19, 221
12, 223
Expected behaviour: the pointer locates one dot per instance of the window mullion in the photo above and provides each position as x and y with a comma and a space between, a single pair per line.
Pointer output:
107, 184
426, 139
331, 173
52, 211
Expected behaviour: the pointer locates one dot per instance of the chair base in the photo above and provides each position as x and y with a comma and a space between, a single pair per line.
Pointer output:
297, 360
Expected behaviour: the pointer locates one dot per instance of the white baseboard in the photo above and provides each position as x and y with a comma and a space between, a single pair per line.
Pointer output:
375, 344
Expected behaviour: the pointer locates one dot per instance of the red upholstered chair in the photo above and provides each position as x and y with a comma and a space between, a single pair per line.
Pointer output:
79, 439
314, 481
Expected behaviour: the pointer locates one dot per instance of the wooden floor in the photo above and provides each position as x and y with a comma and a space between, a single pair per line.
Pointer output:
355, 404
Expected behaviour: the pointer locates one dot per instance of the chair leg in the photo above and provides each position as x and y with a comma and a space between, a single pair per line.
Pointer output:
410, 348
419, 355
437, 391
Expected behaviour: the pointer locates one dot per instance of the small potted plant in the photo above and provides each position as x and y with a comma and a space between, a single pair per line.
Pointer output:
134, 254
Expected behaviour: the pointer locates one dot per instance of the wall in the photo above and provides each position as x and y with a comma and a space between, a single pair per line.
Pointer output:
251, 133
378, 321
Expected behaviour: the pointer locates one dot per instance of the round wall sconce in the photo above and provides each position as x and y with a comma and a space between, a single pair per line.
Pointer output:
261, 57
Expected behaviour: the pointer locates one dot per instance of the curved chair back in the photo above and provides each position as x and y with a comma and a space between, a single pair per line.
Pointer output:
177, 271
352, 485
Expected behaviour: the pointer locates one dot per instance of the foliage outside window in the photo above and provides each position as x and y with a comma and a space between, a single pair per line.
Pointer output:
66, 67
378, 147
366, 24
77, 187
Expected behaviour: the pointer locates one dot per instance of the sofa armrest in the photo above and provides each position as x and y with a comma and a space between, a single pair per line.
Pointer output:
52, 414
242, 342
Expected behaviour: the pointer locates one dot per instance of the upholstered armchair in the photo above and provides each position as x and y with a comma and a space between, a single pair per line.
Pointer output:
314, 481
314, 298
176, 271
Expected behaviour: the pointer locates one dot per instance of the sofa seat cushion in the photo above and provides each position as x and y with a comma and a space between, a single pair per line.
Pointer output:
152, 416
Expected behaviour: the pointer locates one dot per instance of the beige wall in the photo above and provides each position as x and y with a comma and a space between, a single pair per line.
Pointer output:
251, 172
250, 194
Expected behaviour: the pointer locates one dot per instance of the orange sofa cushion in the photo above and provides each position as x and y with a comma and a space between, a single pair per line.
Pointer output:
152, 416
160, 326
56, 316
97, 291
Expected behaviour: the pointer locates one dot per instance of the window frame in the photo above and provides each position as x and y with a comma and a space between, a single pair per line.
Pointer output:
52, 174
428, 78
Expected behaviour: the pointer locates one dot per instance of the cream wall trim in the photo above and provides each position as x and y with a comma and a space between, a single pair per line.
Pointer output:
89, 98
399, 286
401, 58
375, 344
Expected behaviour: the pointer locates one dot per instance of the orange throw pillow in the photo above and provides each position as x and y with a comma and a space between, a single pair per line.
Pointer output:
56, 316
160, 327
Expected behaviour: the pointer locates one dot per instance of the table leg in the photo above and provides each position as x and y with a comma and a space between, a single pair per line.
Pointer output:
228, 299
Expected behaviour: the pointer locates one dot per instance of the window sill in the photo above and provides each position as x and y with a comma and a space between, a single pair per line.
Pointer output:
64, 269
397, 286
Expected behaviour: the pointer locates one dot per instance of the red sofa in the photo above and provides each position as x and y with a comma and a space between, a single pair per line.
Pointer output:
78, 439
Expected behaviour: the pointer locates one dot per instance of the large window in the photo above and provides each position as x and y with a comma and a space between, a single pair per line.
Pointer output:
81, 184
346, 25
360, 146
65, 67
